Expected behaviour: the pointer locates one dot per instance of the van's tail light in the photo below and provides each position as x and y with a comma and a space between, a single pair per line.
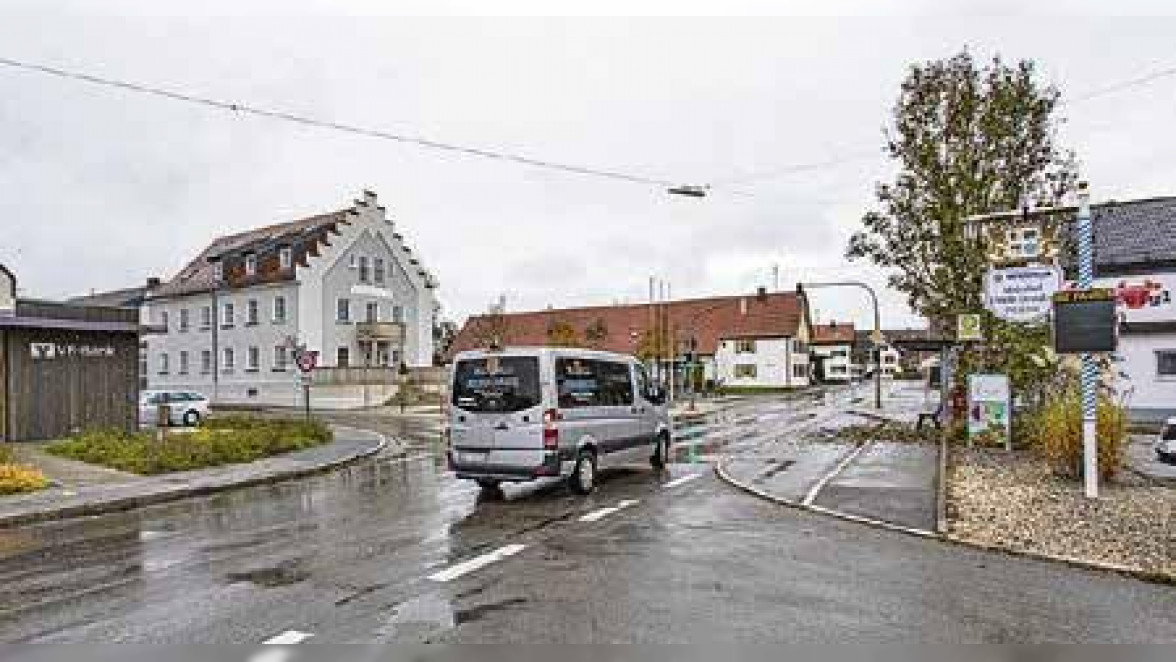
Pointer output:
550, 431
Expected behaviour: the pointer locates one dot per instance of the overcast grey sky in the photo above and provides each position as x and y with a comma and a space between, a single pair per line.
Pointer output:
100, 188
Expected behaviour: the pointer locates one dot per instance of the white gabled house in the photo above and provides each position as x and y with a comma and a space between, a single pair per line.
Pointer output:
344, 283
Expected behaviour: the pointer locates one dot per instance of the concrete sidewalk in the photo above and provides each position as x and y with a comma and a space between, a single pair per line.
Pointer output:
88, 490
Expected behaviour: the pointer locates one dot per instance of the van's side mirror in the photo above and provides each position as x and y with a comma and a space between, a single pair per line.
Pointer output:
655, 394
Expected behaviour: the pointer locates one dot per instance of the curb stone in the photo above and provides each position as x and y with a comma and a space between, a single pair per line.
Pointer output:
1150, 576
166, 494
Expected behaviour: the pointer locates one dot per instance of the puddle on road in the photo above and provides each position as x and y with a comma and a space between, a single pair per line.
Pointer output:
284, 574
479, 612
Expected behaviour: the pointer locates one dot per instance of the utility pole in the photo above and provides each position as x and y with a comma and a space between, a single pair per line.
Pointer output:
216, 320
672, 349
1089, 368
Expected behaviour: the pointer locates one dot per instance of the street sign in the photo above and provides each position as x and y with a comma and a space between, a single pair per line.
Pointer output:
988, 408
1084, 321
307, 361
1021, 294
968, 328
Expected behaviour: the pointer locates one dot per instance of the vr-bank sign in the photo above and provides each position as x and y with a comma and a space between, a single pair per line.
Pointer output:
47, 351
1021, 294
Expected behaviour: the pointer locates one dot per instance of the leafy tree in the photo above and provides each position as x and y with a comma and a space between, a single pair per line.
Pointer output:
966, 139
490, 330
561, 334
597, 333
444, 333
653, 345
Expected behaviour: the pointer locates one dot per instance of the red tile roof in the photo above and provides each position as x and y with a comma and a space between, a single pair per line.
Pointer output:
833, 333
778, 314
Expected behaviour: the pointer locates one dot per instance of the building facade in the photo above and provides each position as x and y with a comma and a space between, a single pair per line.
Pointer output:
343, 284
64, 367
723, 340
832, 352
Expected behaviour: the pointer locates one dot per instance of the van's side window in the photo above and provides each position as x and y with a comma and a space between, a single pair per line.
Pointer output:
616, 384
576, 380
642, 380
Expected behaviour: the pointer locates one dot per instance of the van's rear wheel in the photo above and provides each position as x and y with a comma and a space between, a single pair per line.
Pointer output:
583, 478
661, 452
489, 485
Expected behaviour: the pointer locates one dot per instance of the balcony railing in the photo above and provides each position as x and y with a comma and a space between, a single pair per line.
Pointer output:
392, 332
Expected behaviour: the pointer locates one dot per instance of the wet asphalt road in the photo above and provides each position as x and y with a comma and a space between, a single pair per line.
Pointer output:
349, 556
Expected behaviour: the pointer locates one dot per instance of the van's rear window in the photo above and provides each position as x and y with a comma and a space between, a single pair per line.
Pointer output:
497, 384
1169, 433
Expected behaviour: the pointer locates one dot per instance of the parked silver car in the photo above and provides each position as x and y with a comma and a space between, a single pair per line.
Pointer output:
187, 407
1166, 444
525, 413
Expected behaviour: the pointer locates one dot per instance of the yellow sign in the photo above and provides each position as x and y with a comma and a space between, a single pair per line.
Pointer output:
968, 327
1080, 296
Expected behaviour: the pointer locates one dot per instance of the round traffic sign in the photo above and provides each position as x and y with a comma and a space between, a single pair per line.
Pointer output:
307, 361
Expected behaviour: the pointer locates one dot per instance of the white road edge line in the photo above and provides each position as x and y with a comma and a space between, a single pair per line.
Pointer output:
600, 514
476, 563
816, 489
288, 638
679, 481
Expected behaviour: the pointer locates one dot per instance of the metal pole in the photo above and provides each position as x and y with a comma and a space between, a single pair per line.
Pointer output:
215, 319
672, 349
875, 353
1089, 369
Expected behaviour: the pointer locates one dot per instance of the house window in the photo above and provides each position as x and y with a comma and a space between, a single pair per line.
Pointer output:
364, 272
343, 310
840, 353
251, 265
163, 320
837, 370
229, 360
343, 357
205, 361
285, 257
163, 363
373, 312
184, 321
281, 358
227, 314
183, 363
205, 317
398, 314
1024, 243
1166, 363
800, 371
251, 312
253, 359
279, 309
745, 347
378, 268
745, 371
218, 271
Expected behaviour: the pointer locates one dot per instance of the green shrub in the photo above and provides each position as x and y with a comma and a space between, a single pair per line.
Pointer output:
229, 440
6, 455
1057, 431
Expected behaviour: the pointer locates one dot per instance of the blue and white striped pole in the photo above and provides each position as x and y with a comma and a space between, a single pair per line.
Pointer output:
1089, 369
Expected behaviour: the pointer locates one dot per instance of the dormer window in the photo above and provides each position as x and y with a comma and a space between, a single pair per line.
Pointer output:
251, 264
285, 257
218, 271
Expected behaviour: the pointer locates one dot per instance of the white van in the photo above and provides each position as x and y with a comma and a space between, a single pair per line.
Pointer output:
522, 413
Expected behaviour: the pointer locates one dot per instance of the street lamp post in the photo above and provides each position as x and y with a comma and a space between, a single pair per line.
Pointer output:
876, 338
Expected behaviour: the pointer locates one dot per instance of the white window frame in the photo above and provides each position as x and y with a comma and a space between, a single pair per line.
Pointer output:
228, 359
285, 258
745, 346
205, 361
739, 368
252, 312
163, 364
367, 311
206, 317
398, 314
228, 314
1164, 376
281, 358
279, 318
343, 310
218, 271
183, 370
253, 358
164, 321
251, 264
185, 319
379, 272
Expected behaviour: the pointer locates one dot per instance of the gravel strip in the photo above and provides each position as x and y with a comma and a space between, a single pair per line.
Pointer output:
1015, 501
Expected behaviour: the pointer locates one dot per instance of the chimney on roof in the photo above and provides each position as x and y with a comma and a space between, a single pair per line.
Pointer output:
761, 293
153, 281
742, 305
369, 197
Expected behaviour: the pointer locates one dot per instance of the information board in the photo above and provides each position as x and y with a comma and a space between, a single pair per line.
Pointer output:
1084, 321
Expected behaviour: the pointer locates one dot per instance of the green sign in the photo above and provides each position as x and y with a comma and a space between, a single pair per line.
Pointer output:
968, 328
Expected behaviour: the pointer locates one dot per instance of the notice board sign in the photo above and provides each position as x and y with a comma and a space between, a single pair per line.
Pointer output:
1084, 321
989, 415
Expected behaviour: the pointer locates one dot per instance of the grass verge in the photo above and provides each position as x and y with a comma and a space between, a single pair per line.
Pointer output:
219, 441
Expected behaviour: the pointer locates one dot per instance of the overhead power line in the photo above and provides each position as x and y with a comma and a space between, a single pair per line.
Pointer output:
1118, 87
247, 109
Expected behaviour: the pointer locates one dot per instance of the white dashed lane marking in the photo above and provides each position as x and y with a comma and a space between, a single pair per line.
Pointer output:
288, 638
682, 480
600, 514
476, 563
